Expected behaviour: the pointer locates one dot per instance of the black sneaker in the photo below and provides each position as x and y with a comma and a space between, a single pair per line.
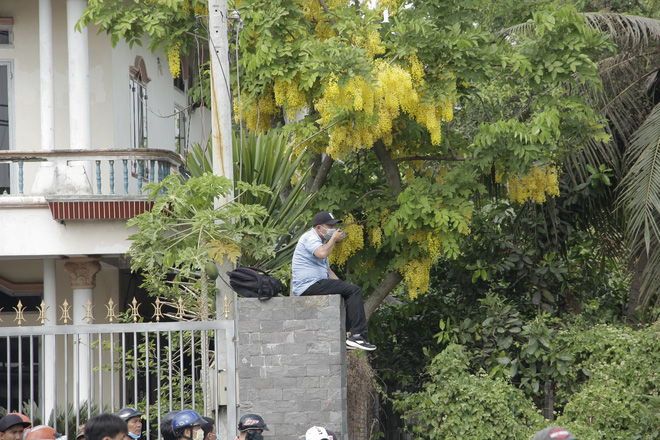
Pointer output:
358, 341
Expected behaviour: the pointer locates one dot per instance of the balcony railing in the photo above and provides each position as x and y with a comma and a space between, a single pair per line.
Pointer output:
107, 172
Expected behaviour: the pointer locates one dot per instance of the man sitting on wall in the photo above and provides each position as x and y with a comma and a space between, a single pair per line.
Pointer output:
312, 275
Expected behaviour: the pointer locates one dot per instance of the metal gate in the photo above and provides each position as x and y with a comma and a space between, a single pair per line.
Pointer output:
96, 368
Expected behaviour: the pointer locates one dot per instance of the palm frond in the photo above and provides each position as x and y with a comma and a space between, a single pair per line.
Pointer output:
640, 189
629, 32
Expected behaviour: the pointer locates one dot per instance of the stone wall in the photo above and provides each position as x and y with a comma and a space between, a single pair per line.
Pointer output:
292, 364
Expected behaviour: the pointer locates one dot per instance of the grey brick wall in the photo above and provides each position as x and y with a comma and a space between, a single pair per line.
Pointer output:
292, 364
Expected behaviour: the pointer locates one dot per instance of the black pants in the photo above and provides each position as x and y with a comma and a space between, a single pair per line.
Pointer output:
356, 320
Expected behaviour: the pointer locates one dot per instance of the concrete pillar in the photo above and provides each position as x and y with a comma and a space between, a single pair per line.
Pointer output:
50, 374
83, 280
46, 83
80, 121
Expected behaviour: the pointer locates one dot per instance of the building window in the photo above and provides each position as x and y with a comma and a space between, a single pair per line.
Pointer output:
179, 130
138, 101
6, 32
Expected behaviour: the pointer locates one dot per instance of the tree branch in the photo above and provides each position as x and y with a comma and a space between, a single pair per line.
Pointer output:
318, 133
384, 288
332, 20
322, 173
412, 158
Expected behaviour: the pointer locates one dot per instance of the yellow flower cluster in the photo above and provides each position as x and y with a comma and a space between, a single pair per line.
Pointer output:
391, 5
186, 7
371, 42
201, 9
536, 185
289, 93
174, 59
395, 91
257, 115
353, 242
416, 276
376, 237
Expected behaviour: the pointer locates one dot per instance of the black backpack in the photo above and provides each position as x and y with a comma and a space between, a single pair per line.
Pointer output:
254, 283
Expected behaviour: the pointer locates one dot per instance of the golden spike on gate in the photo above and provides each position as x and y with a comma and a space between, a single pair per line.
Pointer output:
135, 314
43, 308
158, 310
19, 313
65, 307
111, 316
180, 309
226, 309
89, 316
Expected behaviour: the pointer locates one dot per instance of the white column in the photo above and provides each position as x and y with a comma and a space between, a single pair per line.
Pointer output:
50, 374
83, 280
46, 74
80, 122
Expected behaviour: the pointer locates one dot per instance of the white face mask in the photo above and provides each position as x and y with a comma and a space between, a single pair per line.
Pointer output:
328, 233
198, 435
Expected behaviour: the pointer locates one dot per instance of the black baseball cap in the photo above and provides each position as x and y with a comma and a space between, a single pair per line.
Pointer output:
11, 420
325, 218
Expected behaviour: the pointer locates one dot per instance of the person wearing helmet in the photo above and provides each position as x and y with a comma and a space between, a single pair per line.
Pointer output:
251, 426
42, 432
106, 427
186, 425
554, 433
12, 427
208, 427
166, 426
317, 433
133, 419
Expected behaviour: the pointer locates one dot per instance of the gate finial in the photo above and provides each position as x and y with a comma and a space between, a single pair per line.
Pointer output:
19, 313
111, 316
65, 307
134, 310
43, 308
158, 310
89, 317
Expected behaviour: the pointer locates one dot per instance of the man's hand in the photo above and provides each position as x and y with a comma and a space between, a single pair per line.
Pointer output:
338, 236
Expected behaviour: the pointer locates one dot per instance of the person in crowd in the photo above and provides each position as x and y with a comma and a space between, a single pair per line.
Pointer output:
12, 427
312, 275
332, 435
208, 427
106, 427
554, 433
166, 426
133, 419
25, 419
41, 432
251, 426
81, 432
186, 425
317, 433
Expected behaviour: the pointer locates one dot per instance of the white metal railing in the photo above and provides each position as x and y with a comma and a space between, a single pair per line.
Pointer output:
110, 171
167, 375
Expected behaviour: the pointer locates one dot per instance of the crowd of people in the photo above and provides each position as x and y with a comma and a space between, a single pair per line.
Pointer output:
176, 425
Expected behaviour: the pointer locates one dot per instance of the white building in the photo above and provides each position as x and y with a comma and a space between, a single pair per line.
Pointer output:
83, 126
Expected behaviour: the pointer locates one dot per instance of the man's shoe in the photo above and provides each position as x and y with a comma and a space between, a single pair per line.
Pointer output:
358, 341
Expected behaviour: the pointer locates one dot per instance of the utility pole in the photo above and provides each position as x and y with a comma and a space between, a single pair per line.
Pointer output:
223, 165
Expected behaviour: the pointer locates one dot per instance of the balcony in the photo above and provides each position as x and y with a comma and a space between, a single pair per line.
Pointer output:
75, 202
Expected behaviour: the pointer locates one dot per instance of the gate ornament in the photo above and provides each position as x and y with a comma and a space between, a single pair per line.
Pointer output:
43, 308
226, 309
89, 317
180, 309
134, 310
158, 310
65, 307
111, 316
19, 313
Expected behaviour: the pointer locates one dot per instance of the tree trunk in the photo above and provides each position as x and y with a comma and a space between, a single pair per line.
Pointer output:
322, 173
392, 175
549, 392
315, 163
384, 288
636, 293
